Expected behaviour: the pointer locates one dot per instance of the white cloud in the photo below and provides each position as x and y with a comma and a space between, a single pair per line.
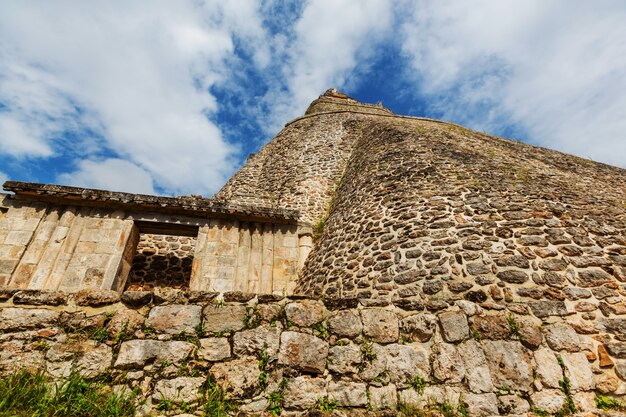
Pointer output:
136, 74
110, 174
327, 42
3, 177
555, 69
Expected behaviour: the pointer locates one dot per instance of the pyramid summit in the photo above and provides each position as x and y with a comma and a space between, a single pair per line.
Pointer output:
383, 263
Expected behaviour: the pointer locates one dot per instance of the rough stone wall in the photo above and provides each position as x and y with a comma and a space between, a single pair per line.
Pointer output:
429, 213
162, 261
295, 354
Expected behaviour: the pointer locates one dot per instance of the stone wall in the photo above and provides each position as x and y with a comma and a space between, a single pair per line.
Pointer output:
299, 354
162, 261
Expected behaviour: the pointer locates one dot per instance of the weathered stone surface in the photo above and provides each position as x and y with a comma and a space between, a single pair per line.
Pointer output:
481, 404
305, 313
513, 276
217, 319
136, 353
383, 398
303, 351
509, 364
239, 377
136, 298
303, 392
380, 325
447, 364
616, 349
125, 320
620, 369
550, 400
405, 362
214, 349
529, 333
95, 298
512, 405
546, 308
179, 389
578, 370
13, 318
606, 383
175, 318
593, 278
419, 327
454, 327
345, 323
492, 327
561, 336
548, 370
344, 359
478, 376
40, 297
348, 394
90, 358
264, 338
374, 361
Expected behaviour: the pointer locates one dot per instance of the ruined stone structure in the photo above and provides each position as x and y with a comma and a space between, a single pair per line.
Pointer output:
363, 259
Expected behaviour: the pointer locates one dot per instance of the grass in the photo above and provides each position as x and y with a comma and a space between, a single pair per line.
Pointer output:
216, 403
604, 402
28, 393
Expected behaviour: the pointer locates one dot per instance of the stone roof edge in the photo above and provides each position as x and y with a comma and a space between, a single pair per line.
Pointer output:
147, 202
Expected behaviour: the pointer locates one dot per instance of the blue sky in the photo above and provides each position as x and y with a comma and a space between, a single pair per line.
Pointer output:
170, 97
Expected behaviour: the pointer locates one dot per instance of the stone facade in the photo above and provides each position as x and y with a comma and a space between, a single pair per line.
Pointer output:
164, 344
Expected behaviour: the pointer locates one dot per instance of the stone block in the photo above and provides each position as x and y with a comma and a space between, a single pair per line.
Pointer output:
561, 336
405, 362
547, 308
179, 389
303, 351
305, 313
478, 376
348, 394
447, 364
264, 338
239, 377
550, 400
303, 392
481, 405
345, 323
136, 353
13, 318
218, 318
419, 327
380, 325
548, 370
344, 359
513, 405
40, 297
175, 318
96, 298
214, 349
578, 370
454, 327
383, 398
125, 320
509, 364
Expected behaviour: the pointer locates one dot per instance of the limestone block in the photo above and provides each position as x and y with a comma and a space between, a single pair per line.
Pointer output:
348, 394
90, 358
548, 370
126, 320
454, 327
405, 362
214, 349
175, 318
224, 318
344, 359
179, 389
492, 327
512, 405
547, 308
383, 398
14, 319
136, 353
345, 323
95, 297
374, 361
478, 376
481, 404
239, 377
303, 351
305, 313
550, 400
419, 327
509, 364
303, 392
380, 325
561, 336
447, 364
578, 370
264, 338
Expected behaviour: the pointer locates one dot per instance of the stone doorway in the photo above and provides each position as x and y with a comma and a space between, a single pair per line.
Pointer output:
163, 257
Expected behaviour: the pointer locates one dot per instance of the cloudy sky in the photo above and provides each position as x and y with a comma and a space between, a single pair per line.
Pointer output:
170, 97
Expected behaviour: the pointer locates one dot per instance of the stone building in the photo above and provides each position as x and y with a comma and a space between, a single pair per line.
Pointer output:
378, 259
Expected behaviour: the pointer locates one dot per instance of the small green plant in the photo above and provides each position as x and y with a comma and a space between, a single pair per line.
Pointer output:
326, 405
513, 325
607, 403
476, 335
264, 359
276, 400
318, 229
200, 332
321, 331
569, 407
216, 403
148, 330
251, 320
165, 405
418, 384
219, 302
539, 412
99, 334
42, 346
